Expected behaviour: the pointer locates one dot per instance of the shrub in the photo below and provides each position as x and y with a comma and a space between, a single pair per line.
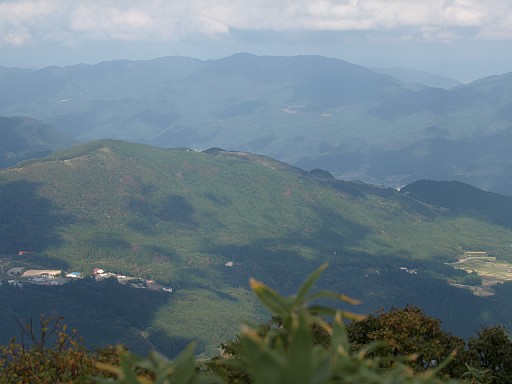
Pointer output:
285, 351
49, 355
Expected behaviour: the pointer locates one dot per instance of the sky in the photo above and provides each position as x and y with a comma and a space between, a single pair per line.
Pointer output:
461, 39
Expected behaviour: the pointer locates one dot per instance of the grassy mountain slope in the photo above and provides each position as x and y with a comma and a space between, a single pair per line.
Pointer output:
178, 216
24, 138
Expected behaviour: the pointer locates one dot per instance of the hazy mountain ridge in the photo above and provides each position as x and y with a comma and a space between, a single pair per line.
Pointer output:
181, 217
305, 110
25, 138
480, 160
418, 77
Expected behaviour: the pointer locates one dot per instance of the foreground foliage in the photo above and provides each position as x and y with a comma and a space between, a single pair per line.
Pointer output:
284, 352
305, 342
491, 352
408, 332
49, 353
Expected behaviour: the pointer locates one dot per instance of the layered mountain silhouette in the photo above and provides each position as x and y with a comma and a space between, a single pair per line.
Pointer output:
310, 111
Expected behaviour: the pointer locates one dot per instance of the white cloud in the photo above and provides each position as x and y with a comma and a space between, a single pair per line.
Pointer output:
498, 28
438, 34
464, 13
17, 38
20, 20
100, 22
30, 21
150, 20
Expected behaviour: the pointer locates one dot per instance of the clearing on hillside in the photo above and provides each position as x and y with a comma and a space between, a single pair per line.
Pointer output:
487, 267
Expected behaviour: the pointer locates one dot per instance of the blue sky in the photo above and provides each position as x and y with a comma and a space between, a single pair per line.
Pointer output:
463, 39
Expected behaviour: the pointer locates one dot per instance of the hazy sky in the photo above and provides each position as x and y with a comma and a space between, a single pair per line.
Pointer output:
463, 39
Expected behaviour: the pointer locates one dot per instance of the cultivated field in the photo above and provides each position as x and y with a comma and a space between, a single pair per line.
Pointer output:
491, 270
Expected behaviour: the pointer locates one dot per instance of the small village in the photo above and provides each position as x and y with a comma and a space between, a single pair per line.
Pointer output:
19, 277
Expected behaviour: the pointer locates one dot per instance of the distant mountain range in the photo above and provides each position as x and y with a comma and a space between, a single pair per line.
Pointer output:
25, 138
310, 111
204, 222
421, 78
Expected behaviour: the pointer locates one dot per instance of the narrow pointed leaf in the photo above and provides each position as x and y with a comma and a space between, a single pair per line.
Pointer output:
299, 352
264, 366
309, 283
322, 310
272, 300
339, 338
333, 296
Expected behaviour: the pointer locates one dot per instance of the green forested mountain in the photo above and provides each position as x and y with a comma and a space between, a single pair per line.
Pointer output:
25, 138
204, 222
463, 199
310, 111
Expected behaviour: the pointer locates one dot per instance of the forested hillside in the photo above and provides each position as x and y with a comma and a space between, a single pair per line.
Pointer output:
463, 199
204, 222
25, 138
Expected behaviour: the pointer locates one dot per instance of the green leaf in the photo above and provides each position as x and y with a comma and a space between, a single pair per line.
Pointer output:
299, 351
264, 365
272, 300
339, 337
333, 296
308, 284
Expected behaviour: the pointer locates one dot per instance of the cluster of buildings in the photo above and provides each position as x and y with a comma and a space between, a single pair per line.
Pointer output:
409, 270
130, 281
19, 276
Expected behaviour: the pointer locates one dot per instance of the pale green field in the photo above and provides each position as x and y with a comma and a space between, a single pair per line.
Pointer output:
487, 267
491, 271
